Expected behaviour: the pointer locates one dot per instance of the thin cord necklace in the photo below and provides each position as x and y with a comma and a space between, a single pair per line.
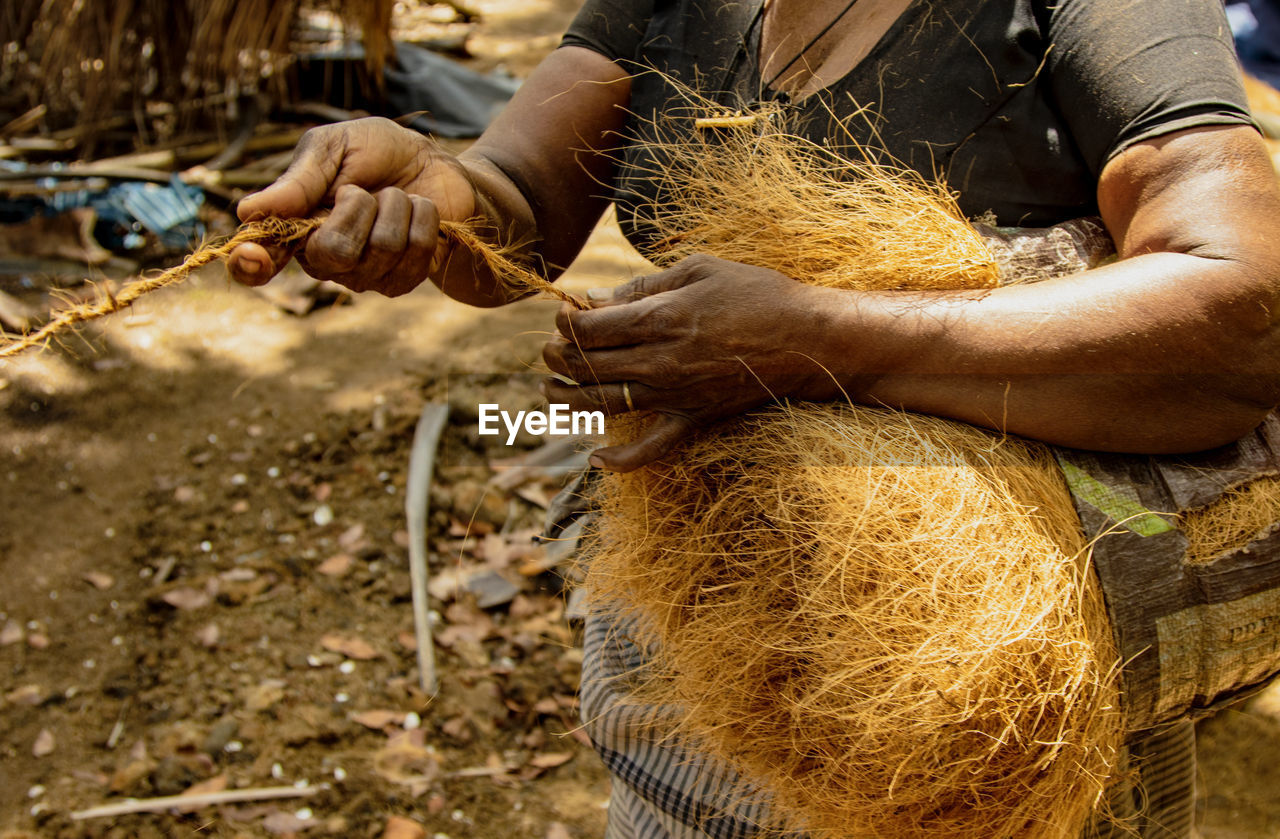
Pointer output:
814, 40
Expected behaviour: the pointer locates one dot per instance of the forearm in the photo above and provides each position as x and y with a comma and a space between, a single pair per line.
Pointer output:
1175, 347
1157, 353
539, 173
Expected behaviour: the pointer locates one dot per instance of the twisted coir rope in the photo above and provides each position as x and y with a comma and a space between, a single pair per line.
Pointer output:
278, 231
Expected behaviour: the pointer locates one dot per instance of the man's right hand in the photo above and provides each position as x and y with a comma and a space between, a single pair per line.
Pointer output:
387, 189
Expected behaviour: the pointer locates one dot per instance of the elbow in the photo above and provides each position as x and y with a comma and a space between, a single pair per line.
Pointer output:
1239, 367
1215, 413
1225, 426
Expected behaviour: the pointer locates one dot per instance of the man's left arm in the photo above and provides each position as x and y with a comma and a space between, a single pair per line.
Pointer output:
1175, 347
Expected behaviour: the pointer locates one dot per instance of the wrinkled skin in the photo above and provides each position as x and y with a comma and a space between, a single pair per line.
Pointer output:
1173, 348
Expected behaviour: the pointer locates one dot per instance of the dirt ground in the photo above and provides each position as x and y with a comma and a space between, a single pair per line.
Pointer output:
205, 574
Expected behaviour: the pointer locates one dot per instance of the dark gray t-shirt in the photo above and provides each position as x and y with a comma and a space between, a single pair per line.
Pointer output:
1018, 104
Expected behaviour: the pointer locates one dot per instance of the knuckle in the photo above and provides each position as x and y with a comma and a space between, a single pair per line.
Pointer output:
575, 366
424, 224
384, 243
570, 325
551, 355
579, 369
422, 238
700, 263
335, 247
392, 196
425, 207
634, 289
368, 129
563, 359
661, 321
664, 368
315, 137
350, 193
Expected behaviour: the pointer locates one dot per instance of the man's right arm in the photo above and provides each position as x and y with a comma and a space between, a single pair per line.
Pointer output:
534, 179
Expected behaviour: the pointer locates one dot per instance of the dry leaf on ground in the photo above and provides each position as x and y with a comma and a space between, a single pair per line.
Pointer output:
356, 648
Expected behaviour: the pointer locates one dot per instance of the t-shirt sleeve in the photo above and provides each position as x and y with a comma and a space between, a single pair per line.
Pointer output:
613, 28
1124, 71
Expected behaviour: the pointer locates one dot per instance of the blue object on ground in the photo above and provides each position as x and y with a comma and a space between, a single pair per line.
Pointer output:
125, 209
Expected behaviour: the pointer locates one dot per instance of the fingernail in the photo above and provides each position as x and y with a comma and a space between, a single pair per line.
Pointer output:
248, 266
596, 461
598, 294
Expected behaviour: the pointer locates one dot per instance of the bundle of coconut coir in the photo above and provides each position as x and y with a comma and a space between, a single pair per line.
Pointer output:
884, 620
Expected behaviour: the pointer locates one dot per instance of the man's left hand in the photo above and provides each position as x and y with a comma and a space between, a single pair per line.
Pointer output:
700, 341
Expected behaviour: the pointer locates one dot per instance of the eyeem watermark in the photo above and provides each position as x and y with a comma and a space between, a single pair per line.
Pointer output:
557, 420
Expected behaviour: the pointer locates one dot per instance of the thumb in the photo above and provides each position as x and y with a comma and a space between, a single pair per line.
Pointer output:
308, 180
658, 439
254, 264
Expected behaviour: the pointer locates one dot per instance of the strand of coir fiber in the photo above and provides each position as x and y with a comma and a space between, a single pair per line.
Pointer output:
880, 625
279, 231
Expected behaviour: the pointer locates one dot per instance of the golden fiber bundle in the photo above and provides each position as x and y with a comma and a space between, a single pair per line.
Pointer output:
1242, 515
886, 621
762, 196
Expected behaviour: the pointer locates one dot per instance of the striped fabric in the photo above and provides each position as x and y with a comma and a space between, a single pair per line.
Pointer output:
661, 791
1161, 805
